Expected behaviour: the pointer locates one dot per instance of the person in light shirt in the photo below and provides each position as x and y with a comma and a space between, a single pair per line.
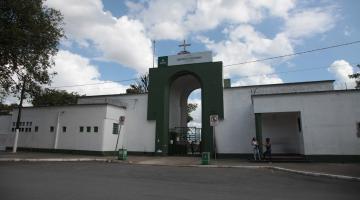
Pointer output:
255, 145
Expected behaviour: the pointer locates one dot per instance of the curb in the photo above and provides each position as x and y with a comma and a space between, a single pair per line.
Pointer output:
316, 174
306, 173
52, 159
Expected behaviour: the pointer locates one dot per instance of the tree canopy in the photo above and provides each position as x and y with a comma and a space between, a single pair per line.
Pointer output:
51, 97
141, 86
356, 76
29, 36
6, 109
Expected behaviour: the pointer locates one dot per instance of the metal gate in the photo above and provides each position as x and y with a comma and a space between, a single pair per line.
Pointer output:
185, 141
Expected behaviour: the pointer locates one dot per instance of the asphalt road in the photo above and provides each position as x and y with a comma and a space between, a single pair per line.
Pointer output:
96, 180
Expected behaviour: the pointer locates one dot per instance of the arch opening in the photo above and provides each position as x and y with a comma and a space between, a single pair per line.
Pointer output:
184, 133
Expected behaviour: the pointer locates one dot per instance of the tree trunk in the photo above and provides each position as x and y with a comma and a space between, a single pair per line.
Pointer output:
20, 104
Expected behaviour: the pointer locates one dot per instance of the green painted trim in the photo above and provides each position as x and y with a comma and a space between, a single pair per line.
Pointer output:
66, 151
211, 79
79, 152
258, 127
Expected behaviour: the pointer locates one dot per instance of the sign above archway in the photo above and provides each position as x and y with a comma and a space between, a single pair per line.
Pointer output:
183, 59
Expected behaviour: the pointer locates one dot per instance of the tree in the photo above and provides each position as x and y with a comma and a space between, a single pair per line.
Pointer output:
29, 36
356, 76
141, 86
190, 108
50, 97
2, 95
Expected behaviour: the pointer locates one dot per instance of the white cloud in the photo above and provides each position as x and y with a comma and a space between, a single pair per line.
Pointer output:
210, 14
122, 40
276, 7
163, 19
175, 20
126, 39
258, 80
244, 43
74, 69
306, 23
341, 69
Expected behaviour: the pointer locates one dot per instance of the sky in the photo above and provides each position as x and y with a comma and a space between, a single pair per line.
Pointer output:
110, 41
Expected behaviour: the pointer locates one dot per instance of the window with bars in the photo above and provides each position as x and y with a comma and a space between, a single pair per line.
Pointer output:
115, 129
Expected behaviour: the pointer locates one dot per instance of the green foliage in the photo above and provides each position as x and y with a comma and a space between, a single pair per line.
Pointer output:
49, 97
190, 108
356, 76
141, 86
29, 37
3, 95
6, 109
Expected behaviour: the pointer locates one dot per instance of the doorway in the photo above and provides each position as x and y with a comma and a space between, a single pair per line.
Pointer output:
185, 126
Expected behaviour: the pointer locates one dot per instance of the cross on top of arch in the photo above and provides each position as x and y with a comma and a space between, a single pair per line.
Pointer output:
184, 45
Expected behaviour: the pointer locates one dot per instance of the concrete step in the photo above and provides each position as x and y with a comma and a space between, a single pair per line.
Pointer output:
282, 159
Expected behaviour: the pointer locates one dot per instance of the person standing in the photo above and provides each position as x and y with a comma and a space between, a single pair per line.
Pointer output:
267, 145
255, 145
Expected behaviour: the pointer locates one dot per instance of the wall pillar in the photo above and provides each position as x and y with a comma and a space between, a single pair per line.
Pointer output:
258, 126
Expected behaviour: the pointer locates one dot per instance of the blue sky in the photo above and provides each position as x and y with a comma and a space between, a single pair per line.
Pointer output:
110, 40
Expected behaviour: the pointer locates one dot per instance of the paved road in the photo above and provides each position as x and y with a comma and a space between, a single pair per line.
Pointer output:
95, 180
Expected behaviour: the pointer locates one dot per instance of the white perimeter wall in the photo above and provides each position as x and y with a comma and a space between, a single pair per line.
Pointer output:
5, 123
138, 134
73, 117
328, 119
234, 133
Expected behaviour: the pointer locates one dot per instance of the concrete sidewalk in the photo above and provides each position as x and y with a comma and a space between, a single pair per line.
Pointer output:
335, 170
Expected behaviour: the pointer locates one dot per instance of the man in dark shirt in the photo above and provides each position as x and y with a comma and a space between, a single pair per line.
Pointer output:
267, 145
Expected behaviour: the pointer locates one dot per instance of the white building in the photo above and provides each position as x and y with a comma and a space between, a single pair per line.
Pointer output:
306, 118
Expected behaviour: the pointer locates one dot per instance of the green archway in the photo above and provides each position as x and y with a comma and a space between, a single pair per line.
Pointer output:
209, 75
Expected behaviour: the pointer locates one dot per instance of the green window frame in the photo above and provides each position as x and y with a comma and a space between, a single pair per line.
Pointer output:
115, 128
